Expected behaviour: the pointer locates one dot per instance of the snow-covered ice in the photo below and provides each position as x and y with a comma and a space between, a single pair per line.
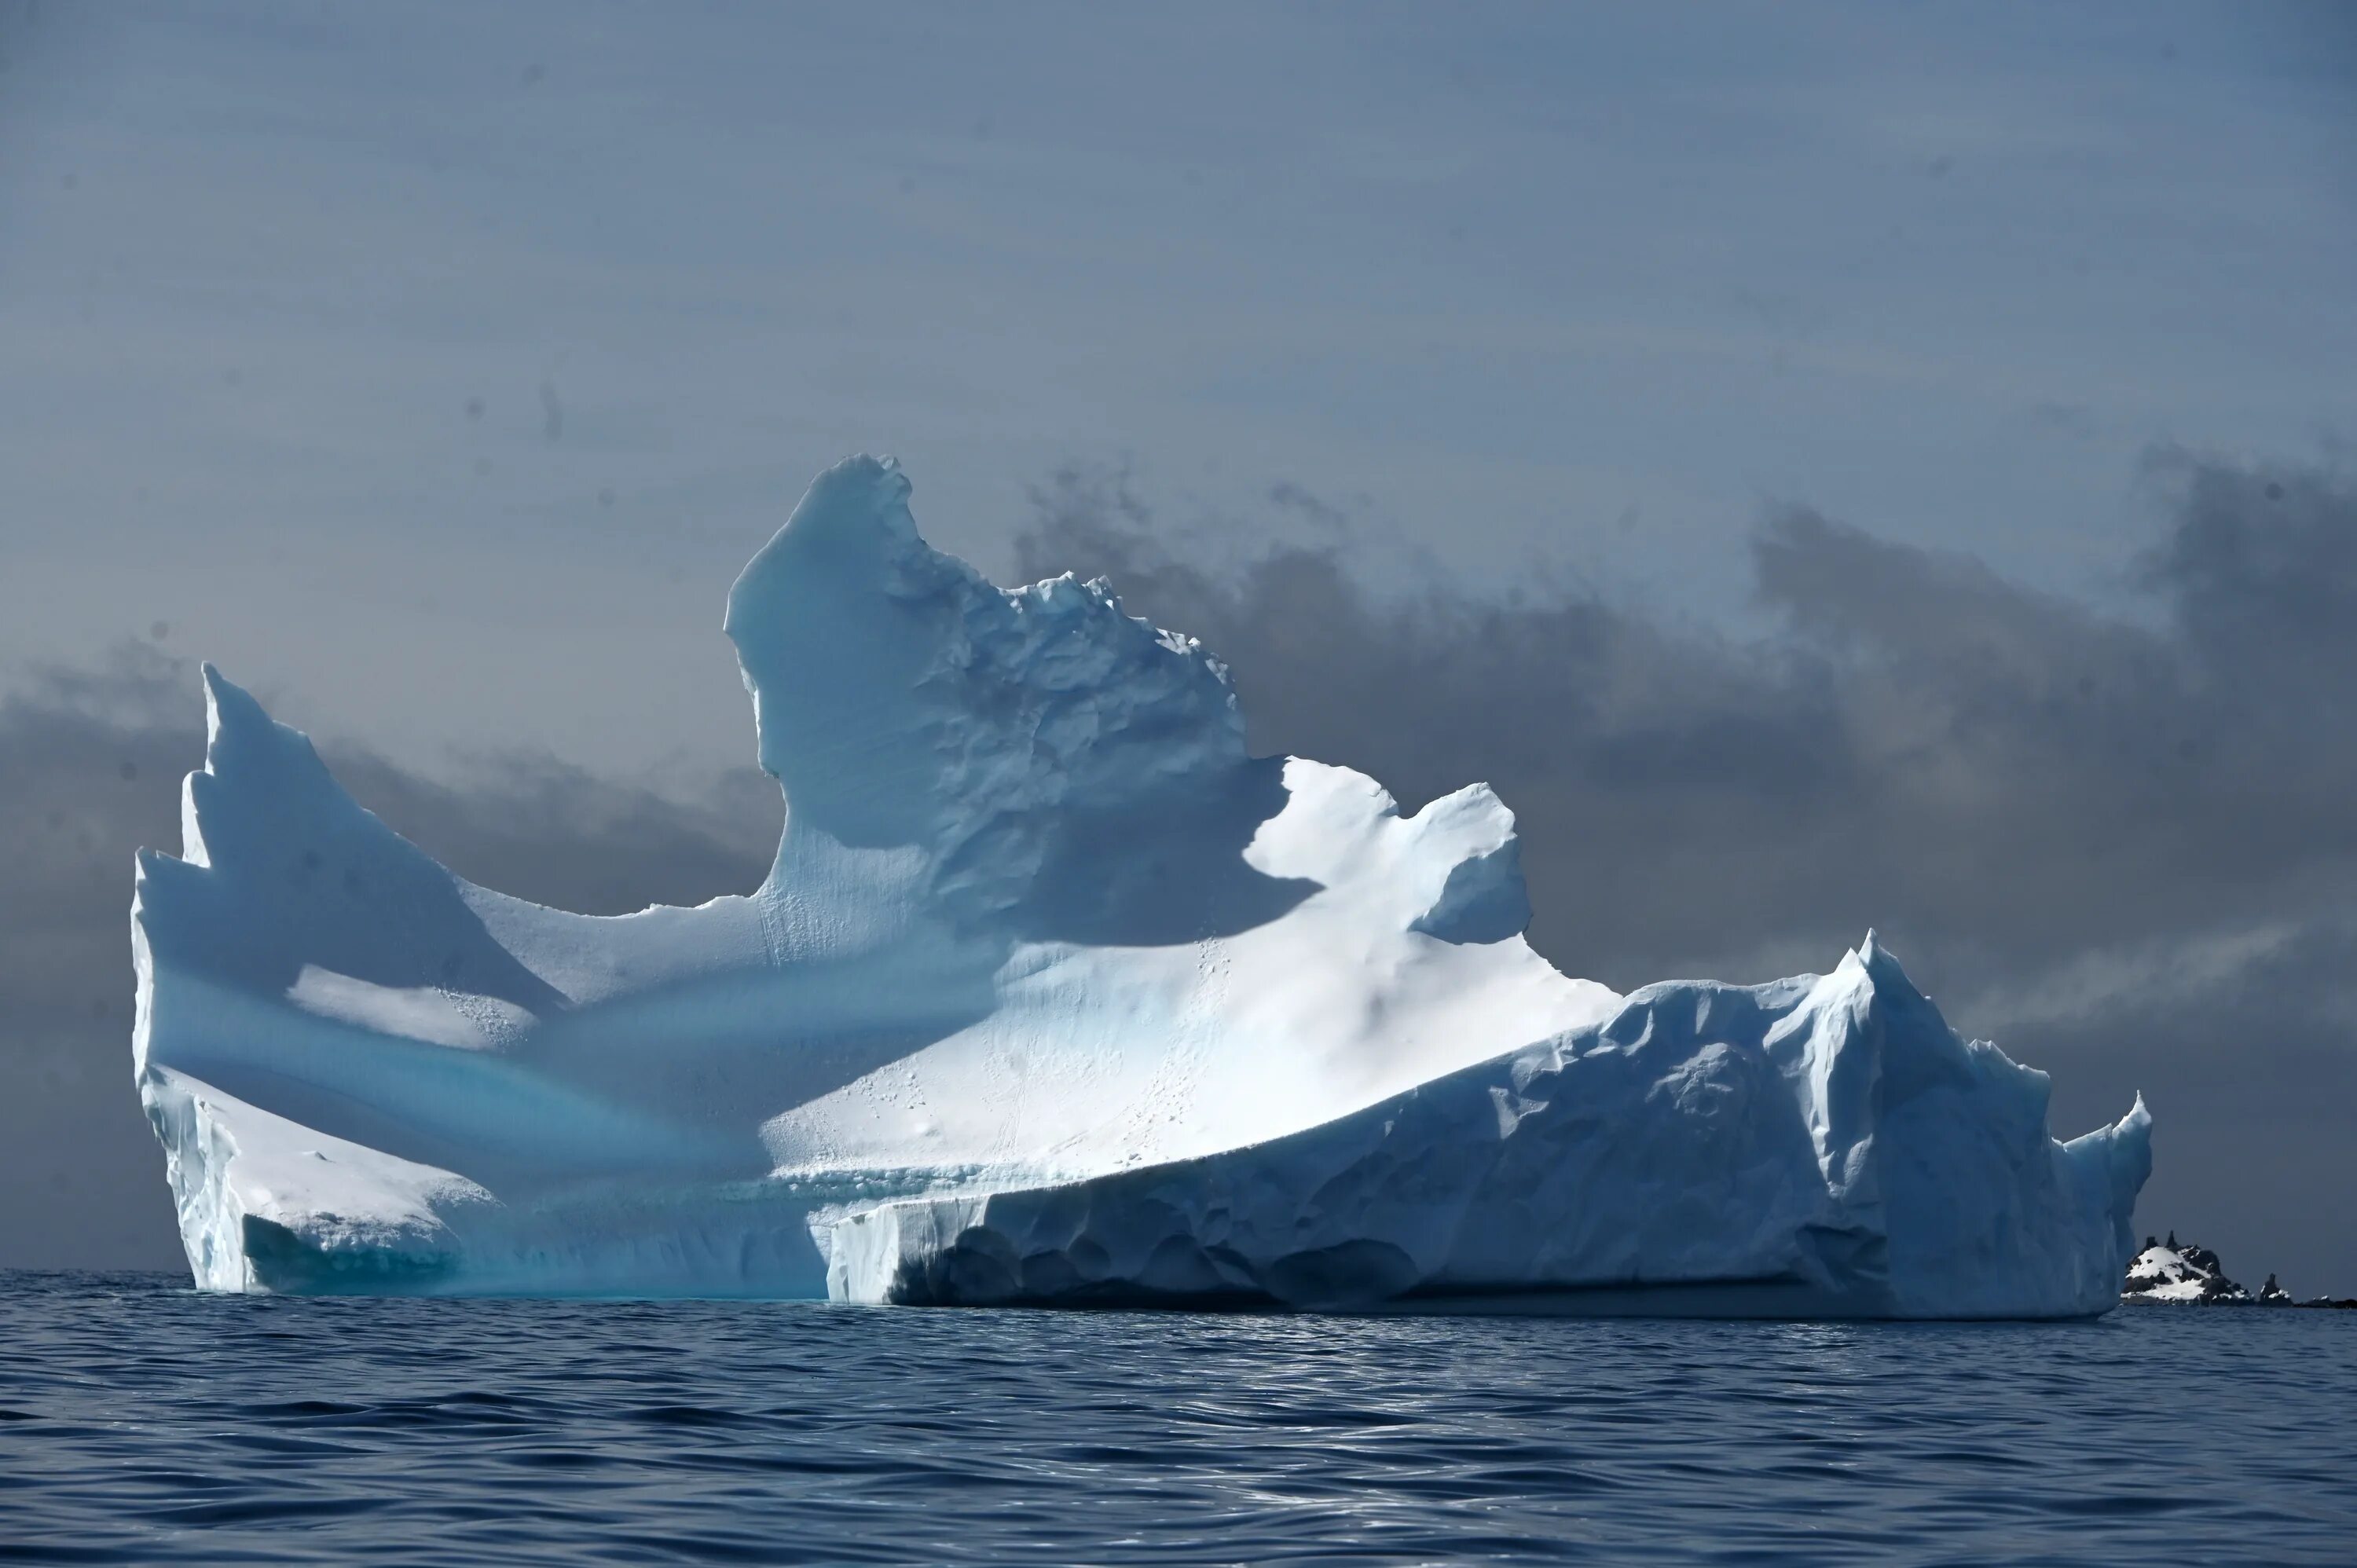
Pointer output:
1054, 994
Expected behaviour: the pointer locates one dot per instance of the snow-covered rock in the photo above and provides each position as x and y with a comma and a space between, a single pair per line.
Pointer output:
2168, 1271
1054, 994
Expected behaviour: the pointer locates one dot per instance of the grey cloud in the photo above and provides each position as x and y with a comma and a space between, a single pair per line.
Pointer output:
89, 768
2261, 571
2049, 811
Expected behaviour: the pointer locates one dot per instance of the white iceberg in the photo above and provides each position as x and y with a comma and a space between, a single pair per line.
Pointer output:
1054, 994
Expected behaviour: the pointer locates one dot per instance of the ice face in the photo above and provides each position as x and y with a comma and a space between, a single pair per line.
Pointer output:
1820, 1146
1054, 993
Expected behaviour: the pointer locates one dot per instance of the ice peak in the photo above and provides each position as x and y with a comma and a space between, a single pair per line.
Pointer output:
906, 704
1875, 973
1484, 898
230, 711
252, 762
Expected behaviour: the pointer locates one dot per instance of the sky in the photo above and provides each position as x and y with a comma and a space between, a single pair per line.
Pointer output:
1828, 466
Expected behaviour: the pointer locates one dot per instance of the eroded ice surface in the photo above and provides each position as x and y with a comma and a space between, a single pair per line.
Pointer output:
1054, 994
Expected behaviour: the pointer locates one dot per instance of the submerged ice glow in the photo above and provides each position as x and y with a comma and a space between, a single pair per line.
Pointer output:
1054, 994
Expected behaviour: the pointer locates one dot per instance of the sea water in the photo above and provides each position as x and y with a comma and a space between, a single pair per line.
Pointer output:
142, 1423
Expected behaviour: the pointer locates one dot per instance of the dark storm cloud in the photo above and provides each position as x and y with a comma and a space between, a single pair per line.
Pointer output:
91, 763
2126, 847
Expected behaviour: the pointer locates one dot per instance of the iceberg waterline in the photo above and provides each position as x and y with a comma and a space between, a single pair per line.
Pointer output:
1054, 994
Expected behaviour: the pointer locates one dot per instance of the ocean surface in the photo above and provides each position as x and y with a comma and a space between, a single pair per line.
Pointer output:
141, 1423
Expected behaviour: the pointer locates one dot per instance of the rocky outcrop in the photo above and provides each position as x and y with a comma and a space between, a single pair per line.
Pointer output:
2181, 1272
2170, 1272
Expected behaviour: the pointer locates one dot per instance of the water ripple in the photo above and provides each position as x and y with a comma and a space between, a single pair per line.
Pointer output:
140, 1422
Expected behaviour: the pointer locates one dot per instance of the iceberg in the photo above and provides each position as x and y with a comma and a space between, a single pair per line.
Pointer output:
1054, 994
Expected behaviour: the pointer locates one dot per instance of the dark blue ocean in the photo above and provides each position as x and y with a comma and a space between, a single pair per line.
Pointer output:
140, 1423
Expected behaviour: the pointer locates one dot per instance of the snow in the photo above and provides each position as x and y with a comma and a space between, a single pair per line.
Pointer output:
439, 1016
1054, 994
2169, 1272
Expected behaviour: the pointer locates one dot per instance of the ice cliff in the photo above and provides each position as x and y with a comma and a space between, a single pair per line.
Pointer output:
1054, 994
